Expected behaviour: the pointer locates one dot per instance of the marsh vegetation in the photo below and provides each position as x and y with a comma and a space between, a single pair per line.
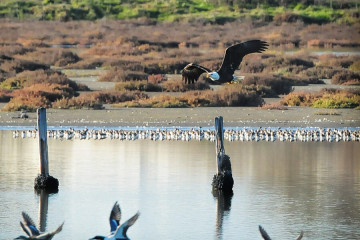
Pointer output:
145, 55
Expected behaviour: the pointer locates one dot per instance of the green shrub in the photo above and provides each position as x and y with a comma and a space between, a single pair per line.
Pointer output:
355, 66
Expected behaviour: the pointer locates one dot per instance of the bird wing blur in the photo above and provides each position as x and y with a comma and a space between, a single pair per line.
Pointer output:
115, 217
33, 233
117, 231
29, 226
300, 236
234, 55
121, 231
50, 235
192, 72
264, 234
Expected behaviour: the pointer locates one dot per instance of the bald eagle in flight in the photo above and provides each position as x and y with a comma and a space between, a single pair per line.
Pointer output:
231, 61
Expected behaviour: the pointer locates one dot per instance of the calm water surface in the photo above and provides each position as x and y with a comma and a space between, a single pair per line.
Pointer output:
286, 187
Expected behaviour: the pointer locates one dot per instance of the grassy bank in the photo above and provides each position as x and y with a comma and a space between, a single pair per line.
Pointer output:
182, 10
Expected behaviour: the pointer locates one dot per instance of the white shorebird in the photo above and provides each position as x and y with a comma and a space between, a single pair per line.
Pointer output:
33, 233
117, 231
265, 236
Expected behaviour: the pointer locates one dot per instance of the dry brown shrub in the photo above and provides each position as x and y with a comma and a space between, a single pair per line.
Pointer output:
51, 91
157, 78
346, 77
29, 101
326, 98
37, 95
254, 63
331, 60
87, 64
5, 95
228, 96
274, 106
331, 43
115, 96
232, 95
137, 86
286, 17
17, 65
53, 56
298, 99
178, 86
14, 49
31, 43
261, 90
117, 74
96, 99
49, 76
282, 64
278, 84
77, 103
320, 72
164, 65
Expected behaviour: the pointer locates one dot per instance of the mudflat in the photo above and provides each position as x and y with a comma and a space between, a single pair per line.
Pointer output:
191, 117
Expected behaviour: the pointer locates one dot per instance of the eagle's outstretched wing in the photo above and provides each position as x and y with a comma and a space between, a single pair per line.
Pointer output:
235, 53
192, 72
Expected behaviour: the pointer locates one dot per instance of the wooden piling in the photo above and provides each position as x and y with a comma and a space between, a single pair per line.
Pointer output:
44, 180
219, 141
42, 128
223, 179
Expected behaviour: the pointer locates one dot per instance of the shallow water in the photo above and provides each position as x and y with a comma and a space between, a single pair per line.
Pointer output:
286, 187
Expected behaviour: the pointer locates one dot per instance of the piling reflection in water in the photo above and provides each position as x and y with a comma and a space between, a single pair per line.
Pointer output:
223, 206
43, 209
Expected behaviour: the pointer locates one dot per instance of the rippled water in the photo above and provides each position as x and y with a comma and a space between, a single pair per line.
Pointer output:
286, 187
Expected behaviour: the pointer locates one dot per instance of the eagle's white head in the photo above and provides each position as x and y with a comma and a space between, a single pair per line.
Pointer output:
213, 76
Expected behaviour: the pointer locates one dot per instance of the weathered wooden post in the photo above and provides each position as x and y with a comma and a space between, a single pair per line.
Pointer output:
44, 180
223, 179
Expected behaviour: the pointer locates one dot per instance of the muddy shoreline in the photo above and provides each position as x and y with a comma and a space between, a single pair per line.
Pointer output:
299, 117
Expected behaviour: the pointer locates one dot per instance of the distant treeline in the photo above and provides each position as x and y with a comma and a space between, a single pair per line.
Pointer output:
217, 11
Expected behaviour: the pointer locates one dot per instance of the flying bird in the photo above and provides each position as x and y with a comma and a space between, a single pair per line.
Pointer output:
117, 231
231, 61
265, 236
33, 233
